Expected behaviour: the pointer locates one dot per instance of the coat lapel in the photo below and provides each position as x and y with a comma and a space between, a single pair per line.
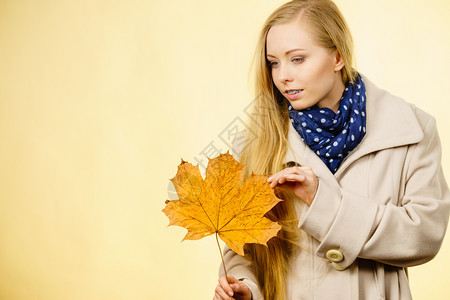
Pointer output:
391, 122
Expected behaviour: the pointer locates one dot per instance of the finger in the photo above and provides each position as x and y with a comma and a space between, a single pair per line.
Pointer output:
238, 287
221, 294
292, 177
232, 280
218, 297
295, 177
226, 286
306, 171
273, 180
274, 176
304, 168
278, 178
300, 170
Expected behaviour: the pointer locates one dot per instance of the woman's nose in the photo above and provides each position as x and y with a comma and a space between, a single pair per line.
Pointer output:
284, 74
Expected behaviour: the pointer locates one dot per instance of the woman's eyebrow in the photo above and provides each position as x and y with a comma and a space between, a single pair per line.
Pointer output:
287, 52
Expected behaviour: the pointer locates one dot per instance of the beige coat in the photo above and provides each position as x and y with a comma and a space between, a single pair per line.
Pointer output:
385, 209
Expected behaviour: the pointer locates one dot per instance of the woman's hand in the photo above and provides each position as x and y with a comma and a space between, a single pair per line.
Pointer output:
300, 180
232, 289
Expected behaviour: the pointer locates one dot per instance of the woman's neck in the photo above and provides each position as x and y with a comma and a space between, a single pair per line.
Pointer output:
335, 95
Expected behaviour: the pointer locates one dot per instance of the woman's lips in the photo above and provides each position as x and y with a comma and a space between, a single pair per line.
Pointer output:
293, 94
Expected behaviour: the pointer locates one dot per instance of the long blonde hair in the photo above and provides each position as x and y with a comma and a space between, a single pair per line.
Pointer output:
269, 122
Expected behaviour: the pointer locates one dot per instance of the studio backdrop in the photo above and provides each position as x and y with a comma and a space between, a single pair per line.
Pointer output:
100, 100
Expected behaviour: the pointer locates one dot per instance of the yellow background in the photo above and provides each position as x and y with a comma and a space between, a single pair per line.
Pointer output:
99, 100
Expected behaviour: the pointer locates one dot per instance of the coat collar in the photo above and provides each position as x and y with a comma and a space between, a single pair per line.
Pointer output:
391, 122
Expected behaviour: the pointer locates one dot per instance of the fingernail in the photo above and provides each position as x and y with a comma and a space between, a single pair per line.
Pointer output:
230, 293
269, 179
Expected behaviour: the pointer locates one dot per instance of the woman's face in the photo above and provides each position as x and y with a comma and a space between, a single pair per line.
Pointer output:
303, 71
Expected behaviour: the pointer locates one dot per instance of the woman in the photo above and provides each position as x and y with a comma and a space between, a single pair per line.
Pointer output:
358, 167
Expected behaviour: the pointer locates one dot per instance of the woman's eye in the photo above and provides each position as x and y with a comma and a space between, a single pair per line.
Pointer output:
298, 60
273, 63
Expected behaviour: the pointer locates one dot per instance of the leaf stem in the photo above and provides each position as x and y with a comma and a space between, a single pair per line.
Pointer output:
221, 256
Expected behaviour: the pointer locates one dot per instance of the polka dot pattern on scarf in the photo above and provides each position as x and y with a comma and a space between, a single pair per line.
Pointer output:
333, 135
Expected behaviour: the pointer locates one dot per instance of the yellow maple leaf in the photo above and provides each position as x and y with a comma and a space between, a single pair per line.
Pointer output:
220, 205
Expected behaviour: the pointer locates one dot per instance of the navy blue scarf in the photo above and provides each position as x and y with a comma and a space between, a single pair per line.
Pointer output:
333, 135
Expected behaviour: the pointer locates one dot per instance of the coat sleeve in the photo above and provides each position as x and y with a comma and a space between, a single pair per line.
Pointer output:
401, 235
242, 269
238, 266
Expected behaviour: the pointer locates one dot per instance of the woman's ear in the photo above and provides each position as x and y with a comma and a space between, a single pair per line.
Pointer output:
338, 62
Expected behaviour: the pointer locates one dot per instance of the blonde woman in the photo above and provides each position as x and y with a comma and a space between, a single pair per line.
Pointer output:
359, 170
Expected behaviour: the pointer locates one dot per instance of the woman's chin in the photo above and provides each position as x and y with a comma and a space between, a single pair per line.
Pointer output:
298, 105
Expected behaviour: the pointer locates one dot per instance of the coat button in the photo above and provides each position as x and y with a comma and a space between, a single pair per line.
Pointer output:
334, 255
338, 267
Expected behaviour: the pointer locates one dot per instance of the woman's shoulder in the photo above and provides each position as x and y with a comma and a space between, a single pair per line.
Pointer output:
386, 104
423, 117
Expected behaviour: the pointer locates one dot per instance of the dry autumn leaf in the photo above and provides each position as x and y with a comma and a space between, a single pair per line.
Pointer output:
220, 205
